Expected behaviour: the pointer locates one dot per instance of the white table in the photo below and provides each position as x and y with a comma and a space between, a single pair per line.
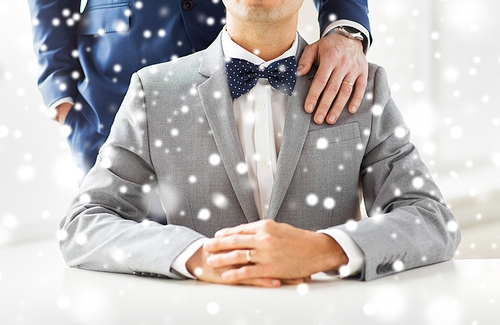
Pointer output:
37, 288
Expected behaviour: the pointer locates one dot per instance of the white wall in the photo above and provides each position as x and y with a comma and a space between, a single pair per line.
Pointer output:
443, 62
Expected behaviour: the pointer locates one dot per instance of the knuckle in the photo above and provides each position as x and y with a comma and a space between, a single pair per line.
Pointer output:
346, 91
232, 241
313, 98
333, 89
321, 81
267, 224
323, 108
245, 272
357, 99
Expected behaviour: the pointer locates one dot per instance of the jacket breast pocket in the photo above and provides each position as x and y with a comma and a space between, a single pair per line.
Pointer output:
103, 19
323, 138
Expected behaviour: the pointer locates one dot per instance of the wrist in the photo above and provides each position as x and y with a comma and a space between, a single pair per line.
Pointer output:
62, 111
333, 256
351, 33
195, 262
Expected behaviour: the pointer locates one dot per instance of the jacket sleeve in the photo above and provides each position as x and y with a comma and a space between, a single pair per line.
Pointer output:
105, 227
353, 10
54, 39
409, 224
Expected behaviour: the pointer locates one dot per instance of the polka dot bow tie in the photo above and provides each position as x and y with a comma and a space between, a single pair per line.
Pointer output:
243, 75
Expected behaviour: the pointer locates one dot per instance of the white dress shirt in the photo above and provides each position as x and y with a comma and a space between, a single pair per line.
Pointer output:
260, 120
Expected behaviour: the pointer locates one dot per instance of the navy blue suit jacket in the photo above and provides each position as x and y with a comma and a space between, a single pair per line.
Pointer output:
92, 57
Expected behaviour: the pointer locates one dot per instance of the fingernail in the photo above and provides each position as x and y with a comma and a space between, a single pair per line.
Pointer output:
210, 260
319, 119
300, 67
354, 109
276, 282
309, 108
331, 119
225, 276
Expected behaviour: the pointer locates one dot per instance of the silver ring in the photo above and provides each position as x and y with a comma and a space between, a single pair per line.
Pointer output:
247, 253
349, 83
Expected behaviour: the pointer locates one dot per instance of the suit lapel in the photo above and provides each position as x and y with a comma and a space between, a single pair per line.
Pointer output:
296, 127
218, 105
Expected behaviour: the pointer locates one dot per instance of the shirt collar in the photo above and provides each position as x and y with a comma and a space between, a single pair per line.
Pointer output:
233, 50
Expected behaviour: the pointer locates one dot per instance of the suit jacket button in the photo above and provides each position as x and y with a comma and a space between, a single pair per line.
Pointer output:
380, 269
187, 5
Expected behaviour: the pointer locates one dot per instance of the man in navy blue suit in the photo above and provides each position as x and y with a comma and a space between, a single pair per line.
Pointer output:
87, 59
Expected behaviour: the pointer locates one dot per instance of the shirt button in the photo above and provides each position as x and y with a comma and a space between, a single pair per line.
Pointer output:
264, 164
262, 106
187, 5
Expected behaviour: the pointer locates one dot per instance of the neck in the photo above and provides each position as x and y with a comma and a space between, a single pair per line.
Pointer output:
266, 40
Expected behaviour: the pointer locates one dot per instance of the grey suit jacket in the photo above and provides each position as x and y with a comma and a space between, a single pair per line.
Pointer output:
176, 133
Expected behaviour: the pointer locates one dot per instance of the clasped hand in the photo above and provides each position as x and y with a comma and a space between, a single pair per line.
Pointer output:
280, 253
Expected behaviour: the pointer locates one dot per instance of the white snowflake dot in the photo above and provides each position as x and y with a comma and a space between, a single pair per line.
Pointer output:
204, 214
219, 200
214, 159
213, 308
351, 225
303, 288
452, 226
322, 143
418, 182
377, 110
84, 198
81, 239
369, 309
456, 132
312, 199
400, 132
329, 203
398, 266
63, 302
241, 168
418, 86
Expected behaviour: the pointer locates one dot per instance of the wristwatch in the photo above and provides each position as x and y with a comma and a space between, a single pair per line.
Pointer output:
352, 33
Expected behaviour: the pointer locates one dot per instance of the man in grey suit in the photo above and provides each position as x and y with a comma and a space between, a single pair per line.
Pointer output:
278, 195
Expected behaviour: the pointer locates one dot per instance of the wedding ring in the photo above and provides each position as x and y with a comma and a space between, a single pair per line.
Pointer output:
249, 259
349, 83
